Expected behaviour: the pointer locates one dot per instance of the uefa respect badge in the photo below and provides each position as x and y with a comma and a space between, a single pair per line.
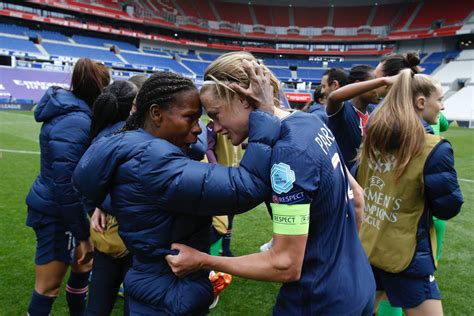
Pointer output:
282, 178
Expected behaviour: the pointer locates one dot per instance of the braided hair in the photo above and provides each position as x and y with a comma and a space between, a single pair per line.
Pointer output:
112, 106
160, 89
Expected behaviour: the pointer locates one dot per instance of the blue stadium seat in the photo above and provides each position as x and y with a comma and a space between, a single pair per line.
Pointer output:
429, 68
156, 52
349, 63
208, 57
77, 51
288, 62
313, 75
198, 67
13, 29
101, 42
55, 36
17, 44
281, 73
439, 57
155, 61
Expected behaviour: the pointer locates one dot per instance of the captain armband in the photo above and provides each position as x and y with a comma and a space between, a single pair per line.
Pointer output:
290, 219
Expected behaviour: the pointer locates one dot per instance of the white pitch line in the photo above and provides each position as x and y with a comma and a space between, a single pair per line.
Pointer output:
20, 151
466, 180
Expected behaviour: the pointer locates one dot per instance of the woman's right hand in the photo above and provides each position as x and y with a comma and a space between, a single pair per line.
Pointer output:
99, 221
389, 81
260, 91
188, 260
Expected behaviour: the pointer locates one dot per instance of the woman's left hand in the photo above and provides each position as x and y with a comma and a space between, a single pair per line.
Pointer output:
260, 91
187, 261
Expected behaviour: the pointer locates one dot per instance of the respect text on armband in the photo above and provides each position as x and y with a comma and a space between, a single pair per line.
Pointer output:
291, 219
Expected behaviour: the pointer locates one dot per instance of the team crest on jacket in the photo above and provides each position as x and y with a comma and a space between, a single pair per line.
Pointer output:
282, 178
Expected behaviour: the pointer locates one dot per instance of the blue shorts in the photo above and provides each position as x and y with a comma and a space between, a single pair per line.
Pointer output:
54, 243
406, 291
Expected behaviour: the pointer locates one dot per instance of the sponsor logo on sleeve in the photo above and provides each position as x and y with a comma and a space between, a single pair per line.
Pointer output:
282, 178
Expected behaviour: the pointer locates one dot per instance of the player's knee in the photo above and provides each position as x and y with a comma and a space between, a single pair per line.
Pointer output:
82, 268
50, 290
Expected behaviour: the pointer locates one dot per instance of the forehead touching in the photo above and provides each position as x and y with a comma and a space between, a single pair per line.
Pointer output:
211, 100
187, 100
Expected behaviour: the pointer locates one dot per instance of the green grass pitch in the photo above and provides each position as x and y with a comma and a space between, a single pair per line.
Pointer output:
19, 132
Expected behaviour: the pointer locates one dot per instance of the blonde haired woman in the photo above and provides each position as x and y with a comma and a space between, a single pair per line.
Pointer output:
316, 252
408, 176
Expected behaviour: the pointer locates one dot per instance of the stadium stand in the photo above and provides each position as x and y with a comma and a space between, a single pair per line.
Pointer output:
281, 73
208, 57
280, 15
204, 9
407, 13
13, 29
160, 62
102, 42
18, 44
49, 35
263, 15
385, 14
457, 79
234, 12
438, 10
308, 74
197, 66
187, 8
140, 48
55, 49
351, 16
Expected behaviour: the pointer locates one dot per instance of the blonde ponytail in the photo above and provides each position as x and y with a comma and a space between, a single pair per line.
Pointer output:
395, 129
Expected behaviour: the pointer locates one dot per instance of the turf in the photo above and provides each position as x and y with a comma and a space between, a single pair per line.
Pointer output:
18, 131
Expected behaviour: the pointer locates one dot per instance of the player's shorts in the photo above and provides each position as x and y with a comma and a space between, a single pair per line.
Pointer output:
406, 291
53, 241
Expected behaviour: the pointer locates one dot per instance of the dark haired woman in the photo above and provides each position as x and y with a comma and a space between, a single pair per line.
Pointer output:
160, 195
392, 64
111, 258
55, 211
348, 113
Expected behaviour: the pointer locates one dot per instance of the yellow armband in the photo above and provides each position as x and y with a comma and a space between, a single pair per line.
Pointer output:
290, 219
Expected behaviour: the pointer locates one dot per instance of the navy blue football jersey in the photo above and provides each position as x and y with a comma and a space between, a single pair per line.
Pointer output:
307, 168
348, 126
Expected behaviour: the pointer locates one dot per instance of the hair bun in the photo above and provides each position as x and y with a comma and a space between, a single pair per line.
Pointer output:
413, 60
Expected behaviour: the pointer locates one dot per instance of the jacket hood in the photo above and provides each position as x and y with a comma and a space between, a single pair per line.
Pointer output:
58, 101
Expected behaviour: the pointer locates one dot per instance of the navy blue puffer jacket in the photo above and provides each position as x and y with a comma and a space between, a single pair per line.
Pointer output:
160, 195
64, 138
